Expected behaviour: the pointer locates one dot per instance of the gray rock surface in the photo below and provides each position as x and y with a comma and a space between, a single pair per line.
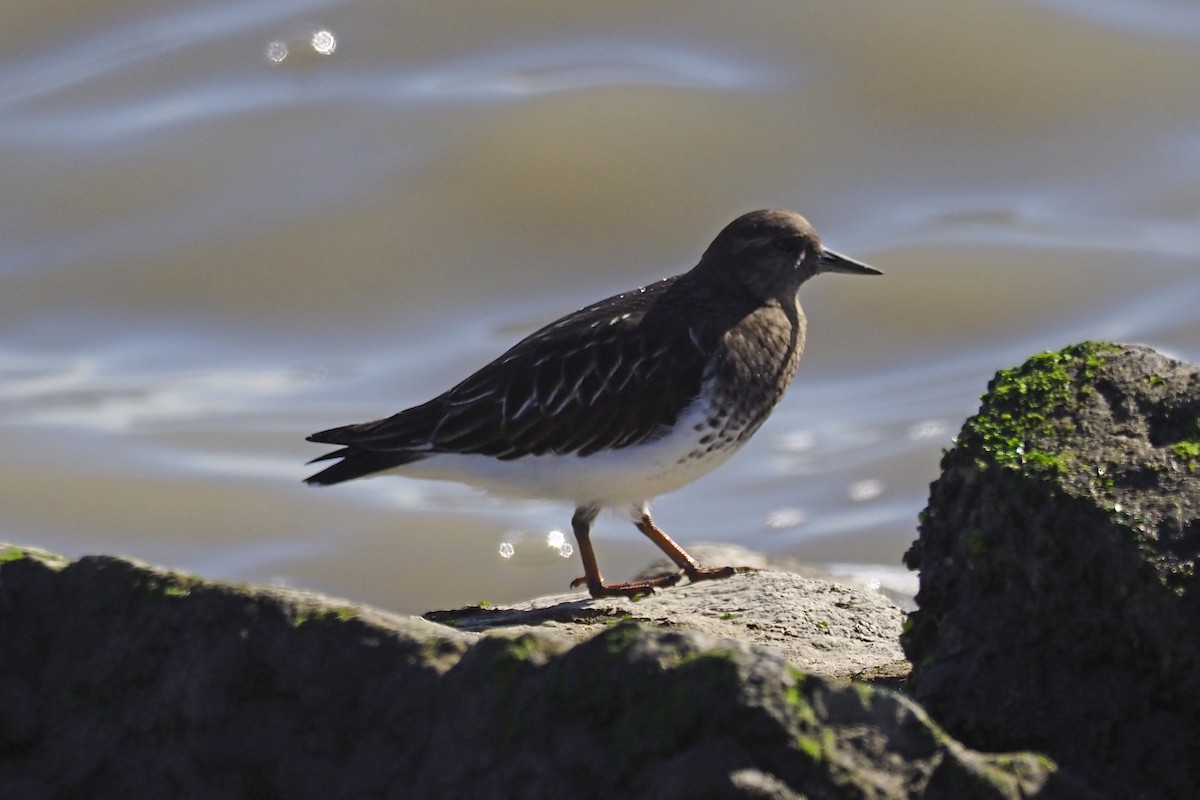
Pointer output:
120, 680
825, 628
1059, 602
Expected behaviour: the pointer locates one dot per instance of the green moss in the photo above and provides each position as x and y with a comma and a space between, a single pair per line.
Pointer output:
1007, 772
1024, 408
866, 694
721, 660
810, 746
796, 698
522, 649
339, 613
616, 640
1048, 462
164, 584
729, 615
344, 613
13, 553
1187, 451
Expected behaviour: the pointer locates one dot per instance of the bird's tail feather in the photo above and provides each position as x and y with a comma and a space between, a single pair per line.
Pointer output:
357, 463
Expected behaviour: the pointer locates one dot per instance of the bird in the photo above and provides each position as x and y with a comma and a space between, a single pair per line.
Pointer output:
622, 401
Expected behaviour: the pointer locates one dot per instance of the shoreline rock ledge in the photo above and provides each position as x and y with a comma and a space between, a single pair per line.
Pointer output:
839, 630
1059, 607
119, 680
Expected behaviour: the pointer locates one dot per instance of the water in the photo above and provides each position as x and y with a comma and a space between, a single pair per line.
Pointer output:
216, 239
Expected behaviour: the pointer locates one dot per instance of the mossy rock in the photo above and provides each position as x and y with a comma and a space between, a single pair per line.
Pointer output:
120, 680
1058, 594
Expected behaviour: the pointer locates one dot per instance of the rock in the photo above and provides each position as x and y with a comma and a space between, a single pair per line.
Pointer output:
726, 553
123, 680
825, 628
1058, 601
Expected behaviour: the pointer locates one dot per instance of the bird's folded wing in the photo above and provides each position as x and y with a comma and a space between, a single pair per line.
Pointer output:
561, 394
607, 376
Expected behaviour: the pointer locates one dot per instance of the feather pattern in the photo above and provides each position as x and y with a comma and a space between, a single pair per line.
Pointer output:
615, 374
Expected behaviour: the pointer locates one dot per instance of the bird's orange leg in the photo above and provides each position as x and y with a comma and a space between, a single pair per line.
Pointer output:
688, 566
581, 523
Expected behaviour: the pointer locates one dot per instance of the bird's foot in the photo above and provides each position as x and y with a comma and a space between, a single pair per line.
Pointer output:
646, 586
631, 589
711, 573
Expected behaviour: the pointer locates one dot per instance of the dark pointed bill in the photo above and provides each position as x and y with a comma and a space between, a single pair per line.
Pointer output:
836, 262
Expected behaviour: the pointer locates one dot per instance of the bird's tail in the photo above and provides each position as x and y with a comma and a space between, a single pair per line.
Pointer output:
357, 463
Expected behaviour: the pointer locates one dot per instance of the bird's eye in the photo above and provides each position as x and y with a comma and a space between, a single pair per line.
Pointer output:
789, 247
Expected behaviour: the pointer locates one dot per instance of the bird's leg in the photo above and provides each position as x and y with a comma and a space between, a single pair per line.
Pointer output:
581, 524
688, 566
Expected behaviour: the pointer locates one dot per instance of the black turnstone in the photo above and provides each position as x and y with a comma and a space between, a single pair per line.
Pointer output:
624, 400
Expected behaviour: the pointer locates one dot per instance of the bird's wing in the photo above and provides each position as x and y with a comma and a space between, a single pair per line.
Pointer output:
607, 376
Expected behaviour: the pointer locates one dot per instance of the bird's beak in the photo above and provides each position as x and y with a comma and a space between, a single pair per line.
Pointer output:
836, 262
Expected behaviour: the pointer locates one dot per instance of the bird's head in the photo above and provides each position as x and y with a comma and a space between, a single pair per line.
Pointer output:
770, 253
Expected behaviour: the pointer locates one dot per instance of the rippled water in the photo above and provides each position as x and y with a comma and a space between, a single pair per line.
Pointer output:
207, 254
